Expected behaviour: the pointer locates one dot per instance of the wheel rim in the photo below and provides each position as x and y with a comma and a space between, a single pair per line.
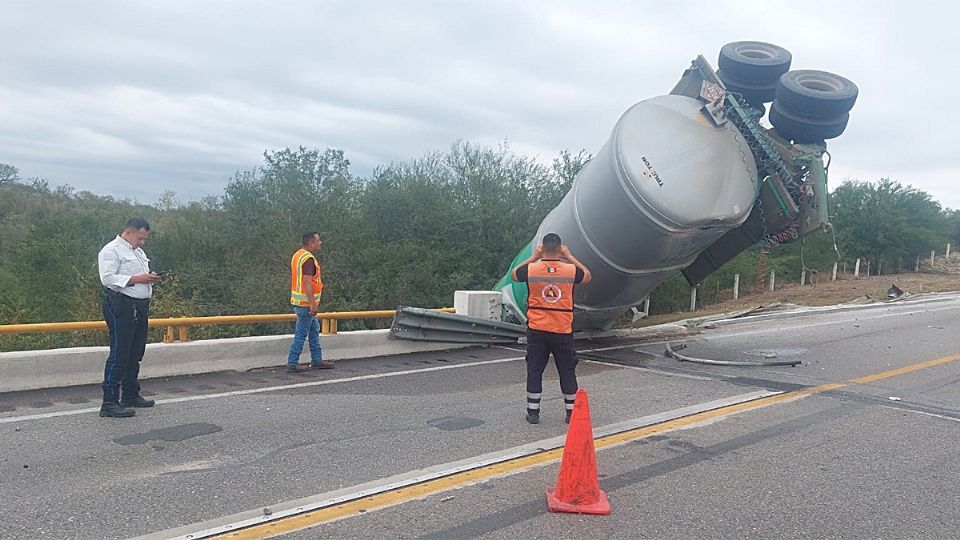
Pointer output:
819, 83
756, 51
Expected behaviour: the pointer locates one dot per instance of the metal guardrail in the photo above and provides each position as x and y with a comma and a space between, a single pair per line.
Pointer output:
179, 326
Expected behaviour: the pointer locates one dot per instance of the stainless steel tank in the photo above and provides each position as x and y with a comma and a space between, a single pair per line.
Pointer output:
666, 185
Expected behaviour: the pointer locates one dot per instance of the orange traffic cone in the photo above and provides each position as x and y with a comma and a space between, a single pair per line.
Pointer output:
578, 487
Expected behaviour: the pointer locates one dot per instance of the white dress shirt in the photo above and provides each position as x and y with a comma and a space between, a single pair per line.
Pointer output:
118, 261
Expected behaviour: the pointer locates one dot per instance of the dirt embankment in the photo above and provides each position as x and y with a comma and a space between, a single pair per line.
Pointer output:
827, 293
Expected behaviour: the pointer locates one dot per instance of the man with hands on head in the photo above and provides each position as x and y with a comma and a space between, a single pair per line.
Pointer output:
550, 273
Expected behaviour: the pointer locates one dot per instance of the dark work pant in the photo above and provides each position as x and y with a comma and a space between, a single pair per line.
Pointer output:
127, 323
539, 347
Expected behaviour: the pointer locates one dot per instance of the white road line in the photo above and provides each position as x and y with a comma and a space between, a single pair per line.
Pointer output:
725, 335
657, 371
74, 412
13, 419
935, 415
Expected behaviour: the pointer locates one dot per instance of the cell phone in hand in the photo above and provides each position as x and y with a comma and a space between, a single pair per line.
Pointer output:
162, 273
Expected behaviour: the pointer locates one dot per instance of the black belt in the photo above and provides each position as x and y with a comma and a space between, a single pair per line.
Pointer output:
120, 296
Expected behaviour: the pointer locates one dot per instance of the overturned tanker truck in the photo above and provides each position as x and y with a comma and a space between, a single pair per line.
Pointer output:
686, 182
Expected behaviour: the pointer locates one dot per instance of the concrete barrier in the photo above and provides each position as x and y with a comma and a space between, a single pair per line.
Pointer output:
31, 370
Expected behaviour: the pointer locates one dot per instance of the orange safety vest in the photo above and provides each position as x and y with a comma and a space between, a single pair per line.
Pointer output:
298, 294
550, 296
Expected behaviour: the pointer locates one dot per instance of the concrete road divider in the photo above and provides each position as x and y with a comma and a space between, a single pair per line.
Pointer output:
31, 370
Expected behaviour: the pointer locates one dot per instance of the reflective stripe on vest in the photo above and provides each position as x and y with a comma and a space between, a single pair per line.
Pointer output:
550, 299
298, 295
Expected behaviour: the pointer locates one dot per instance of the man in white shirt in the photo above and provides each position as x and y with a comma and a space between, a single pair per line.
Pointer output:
128, 281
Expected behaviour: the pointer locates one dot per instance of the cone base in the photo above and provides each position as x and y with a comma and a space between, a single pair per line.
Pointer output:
601, 507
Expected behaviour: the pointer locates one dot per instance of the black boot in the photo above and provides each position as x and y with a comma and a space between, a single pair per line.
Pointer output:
533, 416
116, 411
139, 402
566, 419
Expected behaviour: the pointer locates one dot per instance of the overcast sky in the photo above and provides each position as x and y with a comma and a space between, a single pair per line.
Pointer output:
132, 98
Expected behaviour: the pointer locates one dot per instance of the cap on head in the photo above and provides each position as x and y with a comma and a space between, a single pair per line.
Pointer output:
551, 241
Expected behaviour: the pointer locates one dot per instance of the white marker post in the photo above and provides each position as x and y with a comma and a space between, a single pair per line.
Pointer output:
833, 277
736, 286
932, 254
803, 276
856, 269
773, 278
916, 267
693, 299
948, 252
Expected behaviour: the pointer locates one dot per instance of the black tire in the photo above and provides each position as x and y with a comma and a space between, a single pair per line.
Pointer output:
754, 61
803, 129
756, 94
816, 94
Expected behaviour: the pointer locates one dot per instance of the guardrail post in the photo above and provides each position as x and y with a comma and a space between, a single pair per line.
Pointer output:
324, 326
184, 333
333, 326
168, 337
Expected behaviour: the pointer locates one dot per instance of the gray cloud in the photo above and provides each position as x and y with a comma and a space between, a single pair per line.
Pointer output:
134, 98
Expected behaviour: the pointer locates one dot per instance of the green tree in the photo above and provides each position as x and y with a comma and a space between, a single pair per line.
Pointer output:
8, 173
886, 221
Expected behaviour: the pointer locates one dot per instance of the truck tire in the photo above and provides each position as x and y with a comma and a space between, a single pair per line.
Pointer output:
803, 129
756, 94
816, 94
754, 61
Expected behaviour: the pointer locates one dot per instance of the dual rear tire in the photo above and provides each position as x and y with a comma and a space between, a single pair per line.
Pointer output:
812, 106
808, 106
752, 68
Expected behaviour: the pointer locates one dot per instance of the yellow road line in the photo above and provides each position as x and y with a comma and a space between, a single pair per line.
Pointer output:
473, 476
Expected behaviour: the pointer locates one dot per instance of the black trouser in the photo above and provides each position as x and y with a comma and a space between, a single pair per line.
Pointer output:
127, 322
539, 346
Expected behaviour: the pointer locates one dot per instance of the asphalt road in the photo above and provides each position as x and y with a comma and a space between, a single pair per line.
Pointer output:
867, 458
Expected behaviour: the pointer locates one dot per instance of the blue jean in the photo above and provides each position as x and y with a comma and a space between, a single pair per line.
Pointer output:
307, 327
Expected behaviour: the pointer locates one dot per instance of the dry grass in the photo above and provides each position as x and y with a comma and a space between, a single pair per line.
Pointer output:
823, 294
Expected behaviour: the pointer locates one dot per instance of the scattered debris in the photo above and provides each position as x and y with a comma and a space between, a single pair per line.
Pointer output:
445, 499
267, 511
894, 292
894, 398
670, 353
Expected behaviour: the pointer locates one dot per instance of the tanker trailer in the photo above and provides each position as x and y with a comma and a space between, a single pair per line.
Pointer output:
687, 181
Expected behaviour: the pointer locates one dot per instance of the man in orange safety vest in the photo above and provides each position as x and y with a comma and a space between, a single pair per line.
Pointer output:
550, 274
305, 289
